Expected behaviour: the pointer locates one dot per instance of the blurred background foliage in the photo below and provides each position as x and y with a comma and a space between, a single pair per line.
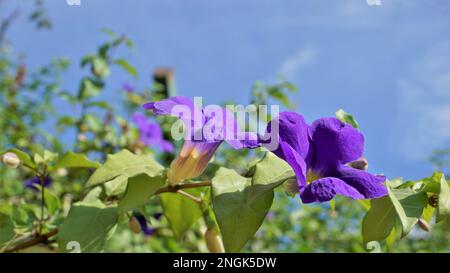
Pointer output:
29, 99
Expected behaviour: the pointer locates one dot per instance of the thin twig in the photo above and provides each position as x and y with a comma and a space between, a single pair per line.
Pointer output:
34, 240
183, 186
190, 196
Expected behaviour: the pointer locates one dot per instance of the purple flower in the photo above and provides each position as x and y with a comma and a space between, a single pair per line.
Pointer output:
319, 155
151, 133
143, 224
128, 88
206, 128
34, 182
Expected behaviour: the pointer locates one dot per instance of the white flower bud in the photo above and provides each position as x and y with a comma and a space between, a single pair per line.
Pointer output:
62, 172
11, 160
213, 241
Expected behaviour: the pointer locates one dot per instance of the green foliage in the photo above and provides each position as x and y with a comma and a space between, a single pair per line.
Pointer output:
89, 225
347, 118
140, 188
182, 212
6, 229
240, 204
125, 163
73, 160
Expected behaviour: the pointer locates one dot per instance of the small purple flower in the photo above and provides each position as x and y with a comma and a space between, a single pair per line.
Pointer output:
128, 88
319, 155
144, 225
32, 183
206, 129
151, 133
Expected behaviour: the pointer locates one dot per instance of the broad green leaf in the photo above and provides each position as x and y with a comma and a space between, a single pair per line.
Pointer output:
93, 195
24, 157
241, 204
182, 212
379, 220
117, 186
88, 224
390, 240
127, 67
6, 229
443, 209
347, 118
73, 160
409, 206
139, 190
124, 163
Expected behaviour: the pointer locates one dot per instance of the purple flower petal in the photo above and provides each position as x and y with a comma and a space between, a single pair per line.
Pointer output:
180, 107
34, 182
324, 189
369, 185
127, 87
334, 143
144, 225
292, 129
151, 133
297, 163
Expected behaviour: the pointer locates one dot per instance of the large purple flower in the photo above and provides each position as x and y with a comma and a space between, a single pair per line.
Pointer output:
151, 133
320, 155
206, 129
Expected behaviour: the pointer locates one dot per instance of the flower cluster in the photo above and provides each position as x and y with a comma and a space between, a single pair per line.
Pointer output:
322, 154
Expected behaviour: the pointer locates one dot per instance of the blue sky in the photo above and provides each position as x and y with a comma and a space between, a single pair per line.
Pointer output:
388, 65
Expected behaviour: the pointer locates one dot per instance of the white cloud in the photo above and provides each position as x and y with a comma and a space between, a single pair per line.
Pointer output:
294, 64
424, 113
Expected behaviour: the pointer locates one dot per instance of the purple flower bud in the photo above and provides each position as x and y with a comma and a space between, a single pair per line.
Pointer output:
32, 183
128, 88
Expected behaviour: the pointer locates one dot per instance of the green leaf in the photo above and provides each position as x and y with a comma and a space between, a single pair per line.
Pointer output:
402, 203
52, 202
409, 206
443, 209
93, 195
182, 212
124, 163
100, 67
117, 186
24, 157
89, 88
241, 204
127, 67
347, 118
6, 229
139, 190
379, 220
89, 224
73, 160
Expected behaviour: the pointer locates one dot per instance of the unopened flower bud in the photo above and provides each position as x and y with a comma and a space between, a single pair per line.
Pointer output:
424, 225
133, 224
61, 172
81, 137
213, 241
11, 160
433, 200
360, 164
